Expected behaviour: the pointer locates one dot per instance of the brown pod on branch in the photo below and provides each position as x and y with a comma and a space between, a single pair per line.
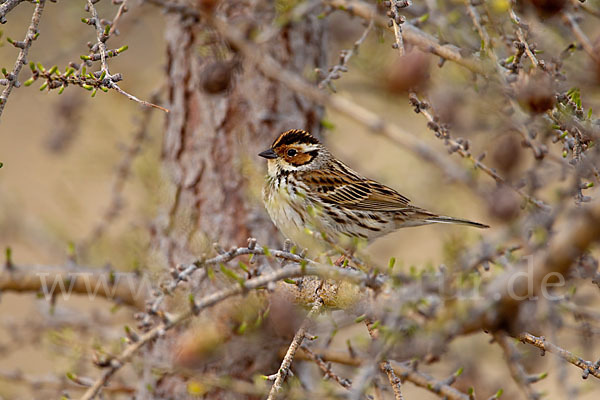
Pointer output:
504, 203
217, 76
545, 8
535, 93
409, 72
506, 153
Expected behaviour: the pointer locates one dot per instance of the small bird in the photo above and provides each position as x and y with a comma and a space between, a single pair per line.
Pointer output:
308, 190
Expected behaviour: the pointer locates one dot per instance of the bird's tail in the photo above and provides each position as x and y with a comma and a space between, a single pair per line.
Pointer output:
452, 220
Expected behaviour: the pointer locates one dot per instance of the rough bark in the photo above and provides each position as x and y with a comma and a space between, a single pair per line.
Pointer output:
218, 125
223, 113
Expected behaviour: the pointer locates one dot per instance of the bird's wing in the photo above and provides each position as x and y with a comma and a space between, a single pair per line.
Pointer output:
350, 190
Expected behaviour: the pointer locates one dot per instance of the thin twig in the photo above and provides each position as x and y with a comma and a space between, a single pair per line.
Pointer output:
345, 56
394, 380
517, 371
7, 7
397, 21
108, 78
588, 367
325, 367
521, 36
116, 87
101, 38
404, 371
459, 147
115, 22
303, 267
32, 32
585, 42
291, 351
410, 34
584, 5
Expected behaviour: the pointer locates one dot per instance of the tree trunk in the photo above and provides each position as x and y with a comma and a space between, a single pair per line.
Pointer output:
223, 112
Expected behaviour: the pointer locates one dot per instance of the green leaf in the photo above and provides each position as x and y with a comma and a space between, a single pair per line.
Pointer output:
360, 318
327, 124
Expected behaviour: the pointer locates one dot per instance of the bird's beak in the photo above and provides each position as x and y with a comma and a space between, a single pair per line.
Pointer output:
269, 154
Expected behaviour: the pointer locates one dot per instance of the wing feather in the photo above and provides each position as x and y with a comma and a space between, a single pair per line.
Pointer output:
350, 190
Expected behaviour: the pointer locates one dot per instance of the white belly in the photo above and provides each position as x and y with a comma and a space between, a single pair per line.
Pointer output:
289, 211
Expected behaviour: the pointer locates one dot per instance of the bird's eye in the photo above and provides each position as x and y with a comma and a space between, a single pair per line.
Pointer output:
291, 152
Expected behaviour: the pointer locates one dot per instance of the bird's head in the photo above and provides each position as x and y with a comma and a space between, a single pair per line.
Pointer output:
293, 151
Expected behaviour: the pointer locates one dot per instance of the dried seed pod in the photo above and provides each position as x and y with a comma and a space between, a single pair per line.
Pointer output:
217, 76
506, 153
546, 8
504, 203
411, 71
536, 92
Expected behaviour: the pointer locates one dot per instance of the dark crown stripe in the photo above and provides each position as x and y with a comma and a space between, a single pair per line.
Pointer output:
295, 136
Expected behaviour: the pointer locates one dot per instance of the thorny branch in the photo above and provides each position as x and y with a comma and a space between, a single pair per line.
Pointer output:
302, 267
292, 349
12, 79
108, 79
581, 36
325, 367
7, 7
404, 371
411, 34
588, 367
517, 371
462, 148
345, 56
396, 20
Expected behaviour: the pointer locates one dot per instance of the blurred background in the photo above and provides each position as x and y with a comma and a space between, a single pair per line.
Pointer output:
63, 156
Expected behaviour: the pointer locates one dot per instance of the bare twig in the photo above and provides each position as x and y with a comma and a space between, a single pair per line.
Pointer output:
521, 36
302, 267
108, 80
404, 371
325, 367
345, 56
584, 5
411, 34
113, 85
588, 367
517, 371
394, 380
124, 288
459, 147
585, 42
397, 20
32, 33
100, 36
115, 22
291, 352
7, 7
